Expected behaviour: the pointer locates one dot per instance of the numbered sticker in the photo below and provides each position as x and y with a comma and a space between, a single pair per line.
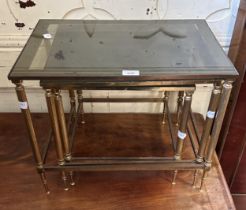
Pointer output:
23, 105
211, 114
181, 135
127, 72
47, 36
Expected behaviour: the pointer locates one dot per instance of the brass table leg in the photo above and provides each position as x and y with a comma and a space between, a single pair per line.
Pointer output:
73, 116
174, 176
194, 178
179, 105
71, 174
72, 113
209, 122
72, 99
75, 125
62, 122
182, 129
207, 126
63, 130
23, 104
81, 111
225, 95
50, 98
165, 102
62, 125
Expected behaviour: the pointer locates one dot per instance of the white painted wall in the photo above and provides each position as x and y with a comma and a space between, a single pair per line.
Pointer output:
220, 15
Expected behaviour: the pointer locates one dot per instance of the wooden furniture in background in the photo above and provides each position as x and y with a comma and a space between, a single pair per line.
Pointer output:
232, 142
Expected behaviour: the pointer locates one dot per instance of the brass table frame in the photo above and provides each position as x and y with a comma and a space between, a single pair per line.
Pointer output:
55, 56
63, 133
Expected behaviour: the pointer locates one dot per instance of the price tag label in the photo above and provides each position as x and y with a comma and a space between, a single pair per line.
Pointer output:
128, 72
47, 36
23, 105
181, 135
211, 114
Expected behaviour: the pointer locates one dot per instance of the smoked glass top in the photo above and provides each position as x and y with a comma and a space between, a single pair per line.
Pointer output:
95, 49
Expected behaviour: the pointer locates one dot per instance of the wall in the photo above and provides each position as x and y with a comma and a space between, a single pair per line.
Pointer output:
18, 18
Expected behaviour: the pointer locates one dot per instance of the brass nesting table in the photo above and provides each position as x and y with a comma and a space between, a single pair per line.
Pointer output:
158, 55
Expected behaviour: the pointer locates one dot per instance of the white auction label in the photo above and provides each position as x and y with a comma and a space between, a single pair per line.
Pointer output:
23, 105
47, 36
181, 135
210, 114
128, 72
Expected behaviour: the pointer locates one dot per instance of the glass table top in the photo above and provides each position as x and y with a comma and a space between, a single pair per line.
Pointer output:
149, 49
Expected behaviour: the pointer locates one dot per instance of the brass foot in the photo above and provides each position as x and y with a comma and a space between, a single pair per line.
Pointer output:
44, 181
174, 177
72, 182
194, 179
203, 179
64, 178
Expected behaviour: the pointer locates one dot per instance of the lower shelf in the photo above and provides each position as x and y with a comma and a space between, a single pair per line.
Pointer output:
135, 138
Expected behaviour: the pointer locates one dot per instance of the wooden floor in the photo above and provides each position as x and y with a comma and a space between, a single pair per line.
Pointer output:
108, 135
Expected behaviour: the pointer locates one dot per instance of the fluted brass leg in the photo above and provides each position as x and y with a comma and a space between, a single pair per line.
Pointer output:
182, 127
208, 123
72, 113
63, 131
225, 95
179, 105
51, 104
50, 98
165, 101
72, 116
24, 106
72, 100
81, 111
62, 125
174, 177
224, 99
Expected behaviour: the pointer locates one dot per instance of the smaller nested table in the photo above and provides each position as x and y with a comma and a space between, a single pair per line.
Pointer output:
160, 55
